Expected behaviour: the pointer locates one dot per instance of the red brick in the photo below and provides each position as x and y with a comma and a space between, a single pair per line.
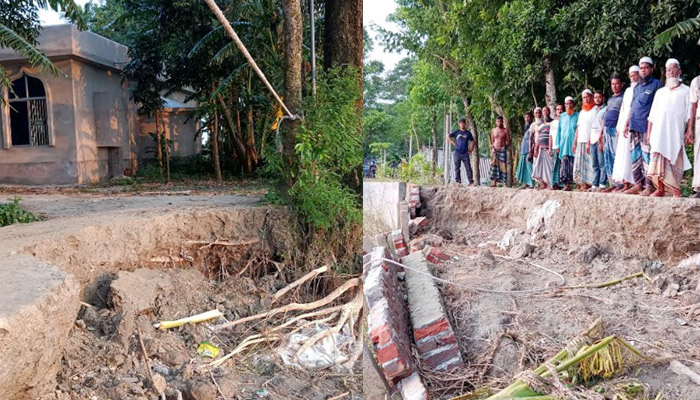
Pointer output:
431, 343
434, 255
431, 329
439, 357
387, 353
396, 369
381, 335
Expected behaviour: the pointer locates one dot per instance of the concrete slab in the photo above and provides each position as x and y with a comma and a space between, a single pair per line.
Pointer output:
381, 206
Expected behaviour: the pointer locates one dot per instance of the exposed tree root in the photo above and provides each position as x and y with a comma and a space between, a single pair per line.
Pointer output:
299, 281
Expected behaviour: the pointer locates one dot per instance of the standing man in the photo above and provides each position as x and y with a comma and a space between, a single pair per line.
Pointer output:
637, 126
596, 143
622, 170
500, 139
566, 137
553, 132
612, 115
667, 121
690, 138
524, 170
542, 169
463, 141
583, 167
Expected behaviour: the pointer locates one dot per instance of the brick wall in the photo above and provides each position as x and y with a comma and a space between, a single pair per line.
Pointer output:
432, 332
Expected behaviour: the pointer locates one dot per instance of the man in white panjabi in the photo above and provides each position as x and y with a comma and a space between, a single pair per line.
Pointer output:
622, 168
690, 137
667, 121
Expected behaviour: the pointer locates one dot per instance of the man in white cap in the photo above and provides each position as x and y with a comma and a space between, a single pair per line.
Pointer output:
637, 126
583, 166
667, 121
690, 137
622, 170
566, 135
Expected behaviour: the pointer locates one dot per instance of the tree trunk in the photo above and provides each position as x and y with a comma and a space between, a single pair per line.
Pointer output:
550, 95
435, 149
215, 146
475, 156
292, 80
167, 149
238, 143
250, 142
342, 41
159, 151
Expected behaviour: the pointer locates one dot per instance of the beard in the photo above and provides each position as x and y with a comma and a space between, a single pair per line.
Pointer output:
634, 84
672, 82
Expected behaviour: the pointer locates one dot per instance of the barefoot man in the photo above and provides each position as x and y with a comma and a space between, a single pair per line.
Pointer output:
500, 138
691, 138
667, 121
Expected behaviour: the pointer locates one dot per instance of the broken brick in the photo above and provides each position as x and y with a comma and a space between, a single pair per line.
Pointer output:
431, 329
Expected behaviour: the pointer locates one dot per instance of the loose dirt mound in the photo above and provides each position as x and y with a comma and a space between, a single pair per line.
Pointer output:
634, 226
501, 334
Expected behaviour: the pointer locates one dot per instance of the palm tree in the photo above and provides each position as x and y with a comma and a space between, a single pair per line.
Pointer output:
19, 27
687, 27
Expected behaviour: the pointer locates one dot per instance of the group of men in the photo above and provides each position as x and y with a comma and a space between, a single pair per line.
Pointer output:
634, 143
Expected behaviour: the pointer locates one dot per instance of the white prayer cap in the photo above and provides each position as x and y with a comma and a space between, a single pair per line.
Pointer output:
568, 98
646, 60
586, 91
537, 109
672, 61
633, 68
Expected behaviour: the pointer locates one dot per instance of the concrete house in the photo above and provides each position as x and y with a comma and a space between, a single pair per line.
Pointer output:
79, 127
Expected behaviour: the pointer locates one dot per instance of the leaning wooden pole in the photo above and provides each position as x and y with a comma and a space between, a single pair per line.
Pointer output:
229, 29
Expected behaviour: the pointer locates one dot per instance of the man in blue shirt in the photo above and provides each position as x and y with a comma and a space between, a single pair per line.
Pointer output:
637, 127
463, 141
612, 114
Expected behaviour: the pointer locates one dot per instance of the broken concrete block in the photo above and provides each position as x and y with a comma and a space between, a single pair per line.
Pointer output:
431, 329
387, 319
417, 224
412, 388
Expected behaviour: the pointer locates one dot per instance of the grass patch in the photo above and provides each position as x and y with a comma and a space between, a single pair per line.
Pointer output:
13, 213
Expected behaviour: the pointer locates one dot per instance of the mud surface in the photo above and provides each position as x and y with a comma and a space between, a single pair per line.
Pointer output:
103, 358
502, 334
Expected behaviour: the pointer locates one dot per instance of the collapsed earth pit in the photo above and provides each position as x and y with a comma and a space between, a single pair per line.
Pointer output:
510, 314
78, 306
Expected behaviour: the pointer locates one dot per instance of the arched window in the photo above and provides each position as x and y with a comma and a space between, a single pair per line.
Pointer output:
28, 112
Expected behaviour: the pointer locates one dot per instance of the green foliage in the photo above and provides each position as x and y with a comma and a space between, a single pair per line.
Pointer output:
418, 170
14, 213
328, 150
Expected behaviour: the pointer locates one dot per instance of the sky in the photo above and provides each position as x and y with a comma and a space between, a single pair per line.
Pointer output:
375, 12
50, 17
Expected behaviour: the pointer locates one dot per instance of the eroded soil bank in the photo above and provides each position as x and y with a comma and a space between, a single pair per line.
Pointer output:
513, 306
80, 291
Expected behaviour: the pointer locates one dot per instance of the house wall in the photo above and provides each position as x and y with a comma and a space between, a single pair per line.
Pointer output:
55, 164
103, 120
180, 126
